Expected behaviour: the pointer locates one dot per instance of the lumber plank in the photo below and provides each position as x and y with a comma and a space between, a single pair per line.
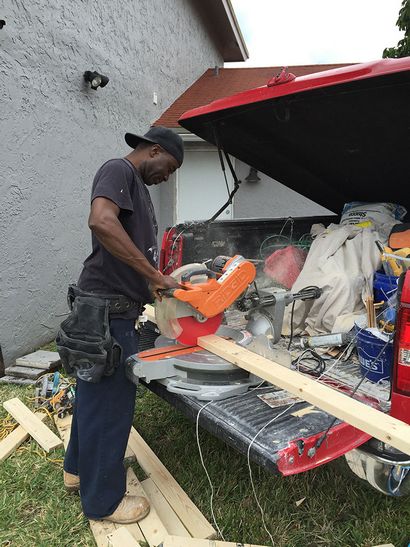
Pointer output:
129, 457
15, 439
122, 538
101, 529
165, 512
175, 541
363, 417
64, 428
151, 526
32, 424
187, 511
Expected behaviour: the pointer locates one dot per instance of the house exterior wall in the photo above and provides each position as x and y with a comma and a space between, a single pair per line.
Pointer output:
56, 132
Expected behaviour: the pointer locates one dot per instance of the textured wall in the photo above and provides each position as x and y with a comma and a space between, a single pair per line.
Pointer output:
269, 198
56, 132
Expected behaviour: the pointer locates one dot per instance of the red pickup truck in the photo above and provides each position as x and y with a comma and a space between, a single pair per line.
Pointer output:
336, 136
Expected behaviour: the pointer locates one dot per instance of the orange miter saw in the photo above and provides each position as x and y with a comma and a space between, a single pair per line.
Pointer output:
197, 308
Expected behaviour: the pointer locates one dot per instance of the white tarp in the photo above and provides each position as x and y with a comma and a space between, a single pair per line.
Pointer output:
341, 261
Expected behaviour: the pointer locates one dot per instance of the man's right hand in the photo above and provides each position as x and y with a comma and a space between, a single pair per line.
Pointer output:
162, 282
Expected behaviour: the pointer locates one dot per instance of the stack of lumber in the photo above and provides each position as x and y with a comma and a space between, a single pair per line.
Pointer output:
30, 424
173, 521
30, 367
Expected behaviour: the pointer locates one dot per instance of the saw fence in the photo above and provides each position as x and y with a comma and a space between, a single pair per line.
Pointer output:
377, 424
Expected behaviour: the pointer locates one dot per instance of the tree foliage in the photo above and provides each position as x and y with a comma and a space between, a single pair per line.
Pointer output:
403, 22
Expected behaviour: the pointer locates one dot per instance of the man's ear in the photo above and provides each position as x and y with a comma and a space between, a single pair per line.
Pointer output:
155, 150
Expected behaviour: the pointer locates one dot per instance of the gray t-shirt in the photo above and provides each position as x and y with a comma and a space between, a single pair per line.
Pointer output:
119, 181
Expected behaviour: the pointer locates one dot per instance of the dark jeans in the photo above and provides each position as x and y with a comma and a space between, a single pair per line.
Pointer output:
102, 419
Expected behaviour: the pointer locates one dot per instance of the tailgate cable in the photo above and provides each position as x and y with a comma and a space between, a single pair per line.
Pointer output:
237, 182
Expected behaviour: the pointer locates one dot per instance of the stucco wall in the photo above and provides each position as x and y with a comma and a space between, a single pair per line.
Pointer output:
56, 132
269, 198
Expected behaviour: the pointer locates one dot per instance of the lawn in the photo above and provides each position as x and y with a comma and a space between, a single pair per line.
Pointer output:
339, 510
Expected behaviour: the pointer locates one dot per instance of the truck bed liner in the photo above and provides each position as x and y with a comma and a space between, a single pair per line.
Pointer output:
237, 420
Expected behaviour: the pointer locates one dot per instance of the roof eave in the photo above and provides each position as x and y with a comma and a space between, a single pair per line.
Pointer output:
240, 52
220, 20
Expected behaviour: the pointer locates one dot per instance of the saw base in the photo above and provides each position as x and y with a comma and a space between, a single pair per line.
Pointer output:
190, 371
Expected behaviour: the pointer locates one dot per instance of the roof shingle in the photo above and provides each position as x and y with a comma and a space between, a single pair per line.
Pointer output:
222, 82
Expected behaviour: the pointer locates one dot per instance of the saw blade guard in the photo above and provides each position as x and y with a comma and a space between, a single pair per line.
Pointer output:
174, 318
196, 309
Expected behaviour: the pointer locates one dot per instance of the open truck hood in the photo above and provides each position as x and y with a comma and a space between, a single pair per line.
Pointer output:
335, 136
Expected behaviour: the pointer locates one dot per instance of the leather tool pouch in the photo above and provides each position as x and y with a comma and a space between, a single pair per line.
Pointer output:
84, 342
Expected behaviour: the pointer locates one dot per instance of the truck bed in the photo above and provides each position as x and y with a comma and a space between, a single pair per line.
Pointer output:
287, 445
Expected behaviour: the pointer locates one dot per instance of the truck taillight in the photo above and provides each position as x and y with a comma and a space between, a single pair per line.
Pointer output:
400, 395
402, 351
171, 251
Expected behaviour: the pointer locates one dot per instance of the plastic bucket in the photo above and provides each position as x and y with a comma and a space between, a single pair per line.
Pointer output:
384, 286
375, 356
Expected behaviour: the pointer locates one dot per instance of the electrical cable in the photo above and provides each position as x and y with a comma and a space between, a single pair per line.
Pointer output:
202, 459
315, 357
205, 469
272, 420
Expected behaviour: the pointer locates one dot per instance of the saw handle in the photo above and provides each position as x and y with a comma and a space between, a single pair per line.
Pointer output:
187, 276
169, 293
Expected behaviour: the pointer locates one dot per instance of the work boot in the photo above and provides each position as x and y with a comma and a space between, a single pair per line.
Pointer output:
131, 509
71, 482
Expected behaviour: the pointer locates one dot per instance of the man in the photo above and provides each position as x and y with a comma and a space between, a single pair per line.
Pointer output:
122, 268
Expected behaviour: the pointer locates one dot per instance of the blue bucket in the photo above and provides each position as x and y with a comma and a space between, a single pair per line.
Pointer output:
375, 356
384, 286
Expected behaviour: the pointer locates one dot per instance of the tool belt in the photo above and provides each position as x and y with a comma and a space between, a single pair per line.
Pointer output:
87, 349
118, 303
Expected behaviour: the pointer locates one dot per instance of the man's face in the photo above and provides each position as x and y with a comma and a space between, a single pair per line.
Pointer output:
159, 166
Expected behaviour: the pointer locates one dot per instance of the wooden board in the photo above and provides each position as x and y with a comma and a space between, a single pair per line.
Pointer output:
165, 512
64, 428
15, 439
187, 511
101, 529
151, 526
32, 424
367, 419
122, 538
175, 541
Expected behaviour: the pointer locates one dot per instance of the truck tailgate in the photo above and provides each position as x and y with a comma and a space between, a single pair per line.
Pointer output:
287, 445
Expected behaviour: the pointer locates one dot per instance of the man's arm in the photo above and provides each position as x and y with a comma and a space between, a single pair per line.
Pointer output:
104, 223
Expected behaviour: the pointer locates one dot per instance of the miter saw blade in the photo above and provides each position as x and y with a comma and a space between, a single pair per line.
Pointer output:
175, 319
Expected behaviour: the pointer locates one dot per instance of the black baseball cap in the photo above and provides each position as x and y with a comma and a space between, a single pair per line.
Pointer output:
166, 138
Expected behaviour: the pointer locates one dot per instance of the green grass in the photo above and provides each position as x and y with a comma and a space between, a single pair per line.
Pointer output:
339, 510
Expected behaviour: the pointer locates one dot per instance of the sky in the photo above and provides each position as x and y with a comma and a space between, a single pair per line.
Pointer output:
302, 32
